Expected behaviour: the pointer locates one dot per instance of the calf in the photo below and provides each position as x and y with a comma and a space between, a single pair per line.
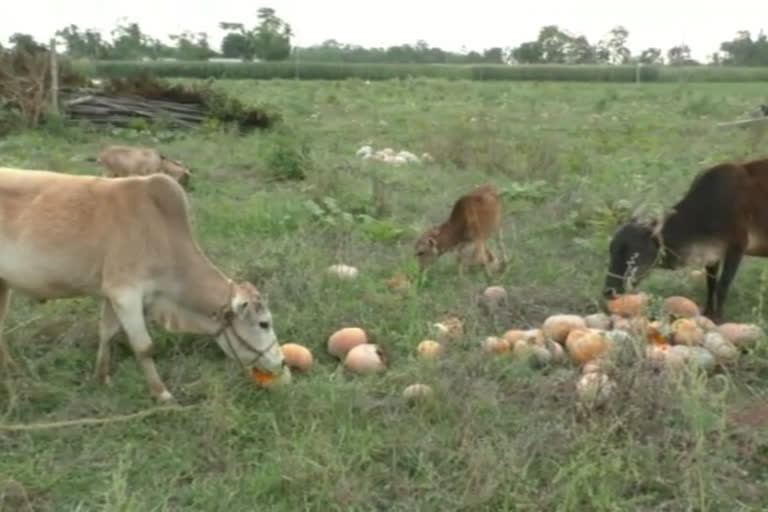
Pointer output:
722, 217
120, 161
475, 217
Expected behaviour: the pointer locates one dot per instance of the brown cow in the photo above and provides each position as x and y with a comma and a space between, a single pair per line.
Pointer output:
120, 161
721, 218
474, 218
127, 241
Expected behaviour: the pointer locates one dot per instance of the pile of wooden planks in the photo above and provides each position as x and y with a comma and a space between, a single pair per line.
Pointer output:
101, 108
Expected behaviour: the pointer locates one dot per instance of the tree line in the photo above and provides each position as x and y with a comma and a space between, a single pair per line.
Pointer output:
269, 39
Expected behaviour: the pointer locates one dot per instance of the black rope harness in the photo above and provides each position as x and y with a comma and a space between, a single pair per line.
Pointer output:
229, 331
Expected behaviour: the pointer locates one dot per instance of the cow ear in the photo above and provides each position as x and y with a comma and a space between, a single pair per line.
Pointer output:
239, 304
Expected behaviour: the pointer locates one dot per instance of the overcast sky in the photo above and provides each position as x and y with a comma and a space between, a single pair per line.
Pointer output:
476, 25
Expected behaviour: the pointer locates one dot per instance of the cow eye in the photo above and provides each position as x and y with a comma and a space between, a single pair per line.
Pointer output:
264, 325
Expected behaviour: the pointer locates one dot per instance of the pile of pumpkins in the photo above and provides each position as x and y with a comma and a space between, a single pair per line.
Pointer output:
681, 336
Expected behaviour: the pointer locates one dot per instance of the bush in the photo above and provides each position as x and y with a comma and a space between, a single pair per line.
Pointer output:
388, 71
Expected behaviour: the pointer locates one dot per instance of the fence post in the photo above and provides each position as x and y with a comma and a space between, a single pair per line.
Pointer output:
54, 77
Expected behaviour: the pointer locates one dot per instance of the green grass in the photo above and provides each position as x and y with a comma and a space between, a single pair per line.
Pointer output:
308, 70
499, 435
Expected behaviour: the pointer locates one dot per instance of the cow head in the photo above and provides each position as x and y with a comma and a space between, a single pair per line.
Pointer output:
247, 333
177, 171
426, 249
634, 251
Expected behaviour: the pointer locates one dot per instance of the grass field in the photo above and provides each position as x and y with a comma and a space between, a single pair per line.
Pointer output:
499, 435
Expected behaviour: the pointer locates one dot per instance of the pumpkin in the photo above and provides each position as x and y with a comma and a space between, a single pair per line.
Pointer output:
658, 352
680, 307
702, 358
589, 346
493, 298
598, 321
534, 352
594, 388
365, 358
452, 328
513, 335
416, 391
269, 380
705, 323
555, 349
522, 347
721, 348
343, 271
629, 304
741, 335
496, 345
685, 331
655, 335
343, 340
678, 356
576, 334
632, 325
429, 348
599, 365
297, 356
557, 327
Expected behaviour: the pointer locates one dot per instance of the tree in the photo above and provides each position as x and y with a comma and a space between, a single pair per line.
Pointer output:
130, 43
88, 44
680, 56
191, 46
25, 42
651, 56
529, 52
494, 55
269, 40
615, 47
236, 46
744, 51
273, 36
581, 52
556, 46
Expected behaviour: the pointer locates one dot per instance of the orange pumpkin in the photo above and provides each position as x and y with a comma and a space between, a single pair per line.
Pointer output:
685, 331
588, 347
575, 335
557, 327
629, 304
681, 307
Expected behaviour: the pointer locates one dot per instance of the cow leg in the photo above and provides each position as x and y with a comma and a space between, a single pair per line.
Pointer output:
502, 249
128, 309
109, 325
461, 257
711, 284
6, 361
730, 265
481, 254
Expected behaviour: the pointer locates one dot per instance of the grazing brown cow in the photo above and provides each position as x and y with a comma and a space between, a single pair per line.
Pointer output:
474, 218
129, 242
121, 161
722, 217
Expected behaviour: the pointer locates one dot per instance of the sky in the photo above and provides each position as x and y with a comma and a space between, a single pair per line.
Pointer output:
474, 25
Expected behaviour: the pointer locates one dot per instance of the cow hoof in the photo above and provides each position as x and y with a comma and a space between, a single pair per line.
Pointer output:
165, 397
8, 363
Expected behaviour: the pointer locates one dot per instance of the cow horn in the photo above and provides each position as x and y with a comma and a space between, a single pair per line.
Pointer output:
637, 214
